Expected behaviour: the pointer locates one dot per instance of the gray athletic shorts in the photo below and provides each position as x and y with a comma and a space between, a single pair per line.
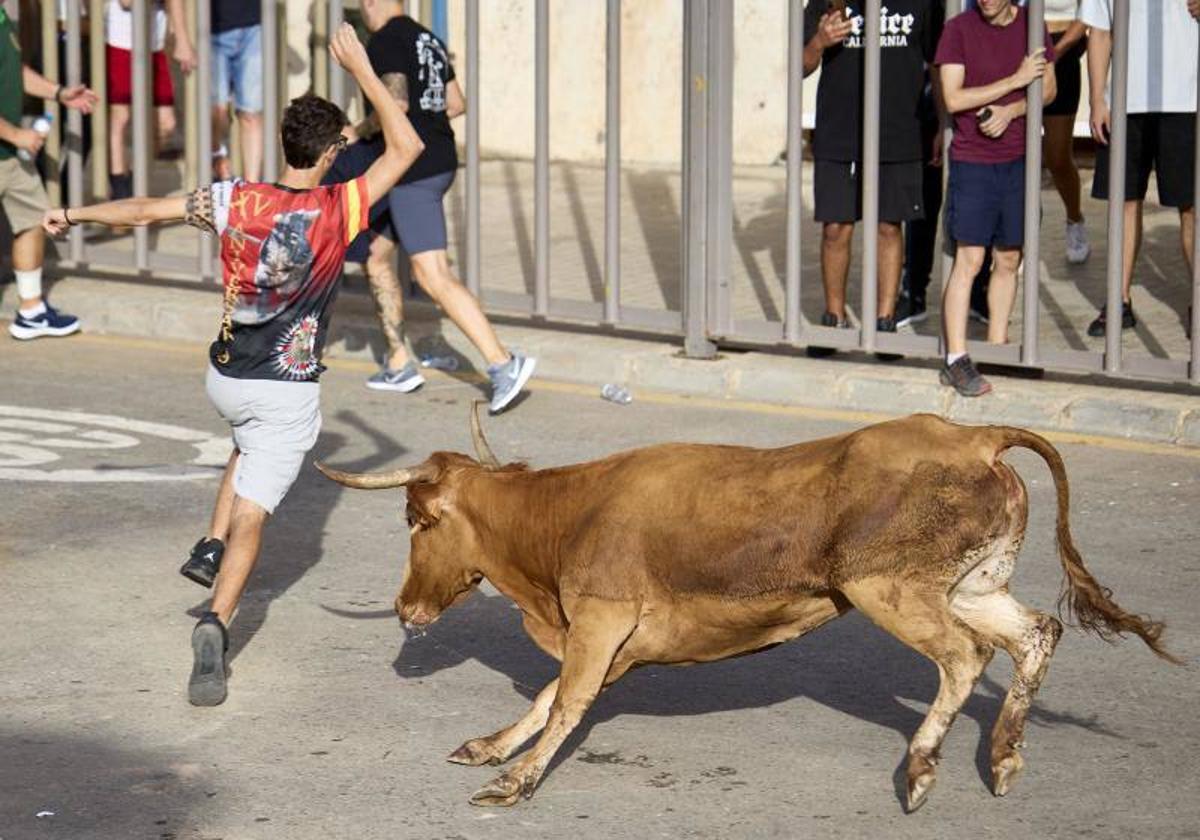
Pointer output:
274, 425
417, 215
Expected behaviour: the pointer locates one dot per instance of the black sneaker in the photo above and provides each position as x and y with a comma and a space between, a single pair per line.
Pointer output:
965, 378
828, 319
1128, 321
886, 324
210, 642
910, 311
204, 563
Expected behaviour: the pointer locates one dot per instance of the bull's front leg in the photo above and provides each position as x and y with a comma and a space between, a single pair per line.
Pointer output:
496, 748
598, 630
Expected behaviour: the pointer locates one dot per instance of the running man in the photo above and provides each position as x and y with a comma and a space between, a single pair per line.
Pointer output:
413, 64
282, 249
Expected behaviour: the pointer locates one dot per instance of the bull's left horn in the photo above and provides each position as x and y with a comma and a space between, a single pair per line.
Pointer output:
482, 451
368, 481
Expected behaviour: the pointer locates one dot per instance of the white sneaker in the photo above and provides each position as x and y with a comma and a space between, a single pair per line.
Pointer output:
1077, 243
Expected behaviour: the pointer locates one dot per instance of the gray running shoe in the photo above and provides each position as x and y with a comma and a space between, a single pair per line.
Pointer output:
965, 378
508, 379
407, 379
210, 641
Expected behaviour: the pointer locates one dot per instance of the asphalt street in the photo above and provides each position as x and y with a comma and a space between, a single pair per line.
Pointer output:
337, 727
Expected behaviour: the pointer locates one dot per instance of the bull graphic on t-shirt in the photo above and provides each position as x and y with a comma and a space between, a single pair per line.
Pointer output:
432, 60
284, 263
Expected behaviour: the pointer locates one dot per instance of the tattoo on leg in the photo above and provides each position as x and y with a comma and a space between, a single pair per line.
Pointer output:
389, 303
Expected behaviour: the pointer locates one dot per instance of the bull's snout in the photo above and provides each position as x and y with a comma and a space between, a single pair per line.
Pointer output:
414, 616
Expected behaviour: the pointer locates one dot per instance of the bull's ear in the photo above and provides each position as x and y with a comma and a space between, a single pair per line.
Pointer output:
426, 502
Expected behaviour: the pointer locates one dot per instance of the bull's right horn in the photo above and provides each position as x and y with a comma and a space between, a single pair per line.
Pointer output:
368, 481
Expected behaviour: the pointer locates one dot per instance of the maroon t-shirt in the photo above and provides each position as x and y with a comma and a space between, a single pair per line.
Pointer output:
989, 53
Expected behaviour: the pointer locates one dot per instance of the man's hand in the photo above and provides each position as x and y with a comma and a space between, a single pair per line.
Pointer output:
834, 28
1100, 122
995, 125
55, 221
349, 52
1031, 69
185, 55
27, 139
78, 97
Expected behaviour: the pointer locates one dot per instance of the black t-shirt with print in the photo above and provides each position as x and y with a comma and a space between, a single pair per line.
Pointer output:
235, 14
909, 32
405, 46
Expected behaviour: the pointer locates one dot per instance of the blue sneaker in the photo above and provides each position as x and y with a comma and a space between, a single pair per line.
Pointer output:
508, 379
407, 379
50, 323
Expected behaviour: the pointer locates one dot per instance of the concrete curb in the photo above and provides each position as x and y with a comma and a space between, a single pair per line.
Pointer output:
149, 310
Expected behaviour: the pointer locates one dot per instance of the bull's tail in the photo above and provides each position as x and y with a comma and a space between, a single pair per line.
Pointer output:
1083, 598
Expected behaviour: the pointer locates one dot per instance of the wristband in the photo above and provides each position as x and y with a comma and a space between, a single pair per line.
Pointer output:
58, 94
67, 218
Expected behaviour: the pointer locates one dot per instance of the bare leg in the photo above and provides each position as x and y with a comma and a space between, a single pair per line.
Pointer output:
891, 260
1059, 157
924, 622
598, 630
28, 253
164, 120
1133, 244
222, 170
389, 303
496, 748
1187, 223
956, 296
1002, 291
246, 523
251, 127
432, 271
218, 528
835, 265
118, 125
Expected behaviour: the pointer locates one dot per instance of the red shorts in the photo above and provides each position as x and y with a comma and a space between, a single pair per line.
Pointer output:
120, 77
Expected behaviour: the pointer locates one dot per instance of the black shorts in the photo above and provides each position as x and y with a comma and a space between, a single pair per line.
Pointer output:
1164, 143
1067, 80
837, 190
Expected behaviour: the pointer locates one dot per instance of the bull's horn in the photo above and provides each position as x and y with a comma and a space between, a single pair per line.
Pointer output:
482, 451
369, 481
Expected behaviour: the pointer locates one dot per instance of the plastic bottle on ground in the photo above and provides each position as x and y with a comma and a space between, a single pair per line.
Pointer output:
616, 394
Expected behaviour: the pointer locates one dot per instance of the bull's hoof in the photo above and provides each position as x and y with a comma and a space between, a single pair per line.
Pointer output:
921, 776
474, 753
503, 790
1005, 773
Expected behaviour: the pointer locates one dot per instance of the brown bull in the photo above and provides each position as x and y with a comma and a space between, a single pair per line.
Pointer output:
685, 553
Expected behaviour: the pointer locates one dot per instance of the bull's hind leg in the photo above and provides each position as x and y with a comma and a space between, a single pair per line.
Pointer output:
922, 620
496, 748
1029, 637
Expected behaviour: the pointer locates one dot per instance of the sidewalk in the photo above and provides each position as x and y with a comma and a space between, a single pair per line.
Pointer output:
848, 384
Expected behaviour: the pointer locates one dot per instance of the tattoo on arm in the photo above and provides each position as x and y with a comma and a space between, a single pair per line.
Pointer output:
397, 85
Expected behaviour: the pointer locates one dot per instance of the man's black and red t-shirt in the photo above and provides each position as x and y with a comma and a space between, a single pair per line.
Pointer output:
282, 252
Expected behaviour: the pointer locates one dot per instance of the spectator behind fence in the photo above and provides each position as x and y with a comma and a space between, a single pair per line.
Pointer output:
1161, 123
413, 63
237, 70
833, 36
984, 72
1058, 120
21, 192
119, 50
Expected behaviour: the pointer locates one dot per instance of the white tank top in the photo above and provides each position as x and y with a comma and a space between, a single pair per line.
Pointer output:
1062, 9
118, 23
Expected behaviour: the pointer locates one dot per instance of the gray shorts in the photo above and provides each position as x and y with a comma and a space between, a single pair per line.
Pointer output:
417, 214
274, 425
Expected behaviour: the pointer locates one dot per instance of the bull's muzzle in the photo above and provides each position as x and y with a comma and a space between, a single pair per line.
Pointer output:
414, 616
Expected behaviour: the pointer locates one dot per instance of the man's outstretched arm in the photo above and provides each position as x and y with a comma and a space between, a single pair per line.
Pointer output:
402, 144
124, 213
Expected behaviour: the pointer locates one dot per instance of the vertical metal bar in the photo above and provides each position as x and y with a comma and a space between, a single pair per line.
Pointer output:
75, 124
953, 7
440, 27
320, 49
270, 83
1035, 10
99, 83
1116, 185
870, 173
1195, 313
192, 154
696, 343
53, 147
612, 166
720, 169
541, 164
473, 197
337, 84
140, 121
204, 125
795, 151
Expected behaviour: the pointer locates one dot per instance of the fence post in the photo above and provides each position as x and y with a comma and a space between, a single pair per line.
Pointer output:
696, 343
74, 125
270, 84
204, 126
795, 169
1194, 369
99, 83
337, 84
53, 147
612, 166
870, 173
719, 239
472, 142
140, 121
1033, 191
1116, 185
541, 164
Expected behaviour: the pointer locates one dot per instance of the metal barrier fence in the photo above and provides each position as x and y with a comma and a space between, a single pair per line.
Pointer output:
707, 318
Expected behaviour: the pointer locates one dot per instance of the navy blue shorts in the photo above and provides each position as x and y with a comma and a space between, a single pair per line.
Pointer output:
411, 213
985, 204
